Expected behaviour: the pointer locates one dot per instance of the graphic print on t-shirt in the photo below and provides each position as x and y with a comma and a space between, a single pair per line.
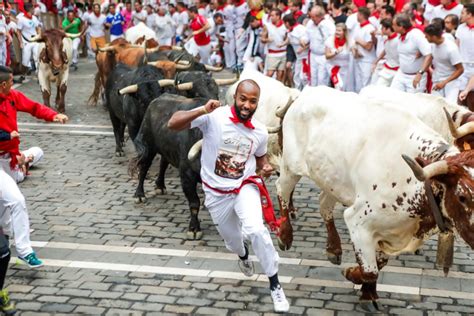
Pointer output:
233, 153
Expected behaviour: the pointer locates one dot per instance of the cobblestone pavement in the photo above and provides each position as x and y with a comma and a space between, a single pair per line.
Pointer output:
107, 255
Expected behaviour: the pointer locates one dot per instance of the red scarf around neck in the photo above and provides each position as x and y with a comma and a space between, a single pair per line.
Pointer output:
450, 6
297, 14
403, 36
364, 24
391, 37
235, 119
238, 4
339, 42
434, 3
293, 27
376, 14
470, 26
280, 23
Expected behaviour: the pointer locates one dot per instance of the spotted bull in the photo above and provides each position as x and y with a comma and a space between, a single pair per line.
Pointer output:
352, 148
55, 52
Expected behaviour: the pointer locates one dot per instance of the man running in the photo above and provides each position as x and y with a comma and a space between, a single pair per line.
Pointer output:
234, 148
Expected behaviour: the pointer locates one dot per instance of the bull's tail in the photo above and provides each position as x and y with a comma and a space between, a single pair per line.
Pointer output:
142, 152
94, 98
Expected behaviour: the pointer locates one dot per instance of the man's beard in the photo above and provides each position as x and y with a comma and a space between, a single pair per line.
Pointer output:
237, 111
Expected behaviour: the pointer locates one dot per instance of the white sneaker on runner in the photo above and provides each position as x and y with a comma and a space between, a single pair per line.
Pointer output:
280, 303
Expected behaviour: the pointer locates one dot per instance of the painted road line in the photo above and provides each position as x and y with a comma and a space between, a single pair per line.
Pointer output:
66, 132
65, 126
410, 290
231, 257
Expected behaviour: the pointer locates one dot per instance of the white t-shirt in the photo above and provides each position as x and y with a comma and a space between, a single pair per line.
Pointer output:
277, 35
165, 28
365, 34
414, 43
3, 30
295, 37
151, 21
342, 58
240, 12
391, 52
229, 149
445, 56
138, 17
28, 26
441, 12
96, 25
318, 34
183, 19
465, 37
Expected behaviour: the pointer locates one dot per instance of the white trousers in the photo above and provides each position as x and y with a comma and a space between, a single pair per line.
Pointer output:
239, 217
375, 75
204, 53
13, 214
240, 46
299, 77
450, 91
362, 73
466, 75
385, 77
17, 174
29, 50
319, 74
229, 52
165, 41
404, 82
75, 49
114, 37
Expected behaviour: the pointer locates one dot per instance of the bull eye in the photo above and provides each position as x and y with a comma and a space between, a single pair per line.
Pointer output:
462, 199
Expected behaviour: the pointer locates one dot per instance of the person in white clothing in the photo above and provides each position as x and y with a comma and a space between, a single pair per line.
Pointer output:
385, 12
139, 15
252, 56
183, 21
234, 148
338, 54
274, 35
151, 18
363, 49
389, 55
298, 39
28, 26
414, 56
465, 41
446, 63
319, 29
96, 26
3, 41
165, 27
447, 7
241, 40
227, 11
469, 88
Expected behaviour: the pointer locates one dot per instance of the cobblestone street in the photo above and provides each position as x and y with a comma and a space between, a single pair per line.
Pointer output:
104, 254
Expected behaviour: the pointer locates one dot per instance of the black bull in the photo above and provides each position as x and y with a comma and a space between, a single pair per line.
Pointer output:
155, 137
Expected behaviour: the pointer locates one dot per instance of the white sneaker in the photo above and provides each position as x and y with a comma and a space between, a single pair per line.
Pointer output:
280, 303
246, 266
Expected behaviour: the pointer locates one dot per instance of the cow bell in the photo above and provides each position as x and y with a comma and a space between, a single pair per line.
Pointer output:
445, 251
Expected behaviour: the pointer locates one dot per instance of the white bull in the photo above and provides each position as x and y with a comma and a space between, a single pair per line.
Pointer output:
351, 148
138, 31
429, 109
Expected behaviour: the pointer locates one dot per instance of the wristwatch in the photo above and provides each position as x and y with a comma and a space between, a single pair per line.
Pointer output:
420, 72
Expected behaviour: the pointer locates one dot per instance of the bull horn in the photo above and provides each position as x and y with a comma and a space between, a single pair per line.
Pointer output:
130, 89
152, 50
182, 67
106, 49
212, 68
34, 38
184, 86
273, 130
281, 111
135, 46
73, 35
166, 82
223, 82
183, 62
176, 48
152, 63
194, 150
465, 129
431, 170
452, 126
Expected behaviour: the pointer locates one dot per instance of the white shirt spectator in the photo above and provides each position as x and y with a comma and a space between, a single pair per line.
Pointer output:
96, 25
138, 17
409, 47
28, 26
391, 51
465, 36
278, 35
364, 33
318, 34
297, 35
183, 19
240, 11
165, 29
151, 21
445, 56
441, 12
352, 25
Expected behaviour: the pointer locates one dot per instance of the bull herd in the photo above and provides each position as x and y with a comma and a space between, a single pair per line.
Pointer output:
401, 163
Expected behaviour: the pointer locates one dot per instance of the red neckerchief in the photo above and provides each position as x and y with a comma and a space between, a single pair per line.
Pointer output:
255, 12
403, 36
28, 16
364, 24
293, 27
235, 119
202, 6
471, 27
376, 14
221, 7
297, 14
450, 6
284, 9
391, 37
339, 42
434, 3
280, 23
240, 3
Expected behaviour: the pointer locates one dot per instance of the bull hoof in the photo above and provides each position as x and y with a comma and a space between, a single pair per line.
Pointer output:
161, 191
190, 235
140, 199
119, 154
334, 259
371, 307
283, 246
419, 252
